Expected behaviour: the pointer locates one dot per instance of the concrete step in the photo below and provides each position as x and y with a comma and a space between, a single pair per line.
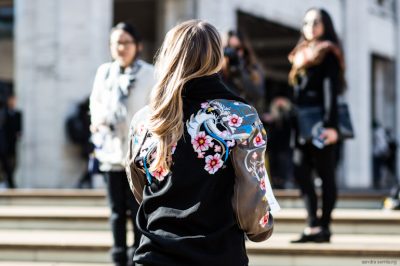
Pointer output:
288, 198
344, 250
32, 263
345, 221
53, 197
92, 247
56, 246
348, 199
54, 218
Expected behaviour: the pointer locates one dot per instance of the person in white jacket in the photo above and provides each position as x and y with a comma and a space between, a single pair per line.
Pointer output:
121, 88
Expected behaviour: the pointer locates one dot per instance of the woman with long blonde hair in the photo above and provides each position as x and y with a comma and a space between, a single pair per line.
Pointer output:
196, 160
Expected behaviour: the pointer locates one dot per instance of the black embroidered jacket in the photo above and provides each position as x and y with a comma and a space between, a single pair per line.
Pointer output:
217, 188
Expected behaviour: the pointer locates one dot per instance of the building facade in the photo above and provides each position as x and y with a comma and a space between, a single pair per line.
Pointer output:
58, 45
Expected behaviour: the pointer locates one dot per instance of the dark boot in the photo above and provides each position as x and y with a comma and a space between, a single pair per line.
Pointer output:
322, 236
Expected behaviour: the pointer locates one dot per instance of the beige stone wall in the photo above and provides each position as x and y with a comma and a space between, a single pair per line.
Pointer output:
59, 45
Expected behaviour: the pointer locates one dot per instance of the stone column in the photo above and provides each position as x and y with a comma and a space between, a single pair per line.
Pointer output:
222, 14
358, 165
172, 12
58, 46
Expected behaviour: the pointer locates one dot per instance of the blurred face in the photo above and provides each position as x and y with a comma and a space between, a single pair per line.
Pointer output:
313, 27
11, 102
123, 48
235, 43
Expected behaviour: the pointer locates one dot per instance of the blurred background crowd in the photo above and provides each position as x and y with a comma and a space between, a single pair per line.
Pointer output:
49, 52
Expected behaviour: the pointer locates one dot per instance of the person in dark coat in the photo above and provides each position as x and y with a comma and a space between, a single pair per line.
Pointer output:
10, 132
317, 80
241, 71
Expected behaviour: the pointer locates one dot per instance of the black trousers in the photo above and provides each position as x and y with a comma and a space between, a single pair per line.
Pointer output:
7, 164
306, 159
123, 207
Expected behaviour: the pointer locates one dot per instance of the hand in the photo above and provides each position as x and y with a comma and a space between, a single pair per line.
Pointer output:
97, 128
93, 129
267, 117
330, 136
280, 102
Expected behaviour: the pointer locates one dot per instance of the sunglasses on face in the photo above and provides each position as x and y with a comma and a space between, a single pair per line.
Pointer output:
123, 43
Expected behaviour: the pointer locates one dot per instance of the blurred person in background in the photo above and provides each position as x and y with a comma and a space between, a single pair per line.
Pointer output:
317, 80
121, 88
279, 120
384, 157
78, 131
10, 133
241, 71
380, 152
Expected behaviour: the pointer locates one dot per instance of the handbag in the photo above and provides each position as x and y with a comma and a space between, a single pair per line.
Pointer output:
310, 121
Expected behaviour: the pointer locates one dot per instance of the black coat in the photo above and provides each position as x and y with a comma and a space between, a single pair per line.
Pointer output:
217, 189
10, 131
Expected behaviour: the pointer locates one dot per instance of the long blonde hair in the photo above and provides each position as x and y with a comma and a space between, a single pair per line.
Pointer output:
191, 49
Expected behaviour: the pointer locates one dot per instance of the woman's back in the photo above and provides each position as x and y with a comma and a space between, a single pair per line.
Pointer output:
196, 160
196, 224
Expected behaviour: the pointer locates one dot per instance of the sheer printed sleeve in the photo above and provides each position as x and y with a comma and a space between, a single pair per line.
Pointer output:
253, 200
137, 133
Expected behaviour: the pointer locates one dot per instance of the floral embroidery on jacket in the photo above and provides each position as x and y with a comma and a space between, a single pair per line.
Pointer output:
147, 154
219, 124
160, 174
264, 220
202, 142
213, 163
258, 140
234, 120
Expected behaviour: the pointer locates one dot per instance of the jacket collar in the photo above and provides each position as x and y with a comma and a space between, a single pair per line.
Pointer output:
208, 88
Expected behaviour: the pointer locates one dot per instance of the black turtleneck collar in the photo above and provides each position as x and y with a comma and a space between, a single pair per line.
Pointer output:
208, 88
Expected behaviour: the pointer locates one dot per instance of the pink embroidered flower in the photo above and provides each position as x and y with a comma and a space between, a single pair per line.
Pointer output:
213, 163
160, 173
224, 134
262, 183
234, 120
217, 148
230, 143
202, 142
204, 105
258, 140
264, 220
255, 155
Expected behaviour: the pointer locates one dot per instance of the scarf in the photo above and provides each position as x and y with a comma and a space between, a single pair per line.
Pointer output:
305, 55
